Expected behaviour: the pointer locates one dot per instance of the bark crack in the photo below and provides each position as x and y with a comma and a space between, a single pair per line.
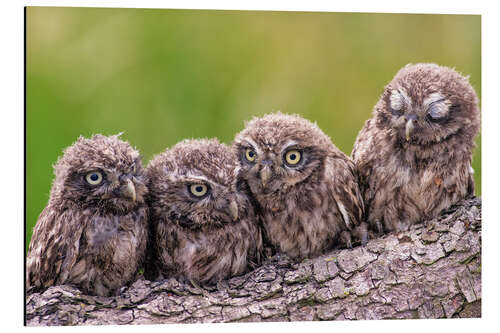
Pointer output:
433, 270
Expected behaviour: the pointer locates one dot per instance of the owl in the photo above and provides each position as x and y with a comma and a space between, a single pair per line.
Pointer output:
204, 227
306, 189
93, 232
414, 154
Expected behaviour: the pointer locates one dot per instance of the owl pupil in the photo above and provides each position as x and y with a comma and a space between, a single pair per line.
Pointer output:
293, 157
94, 177
199, 189
251, 154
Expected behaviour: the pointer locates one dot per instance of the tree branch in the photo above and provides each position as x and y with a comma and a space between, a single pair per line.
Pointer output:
430, 271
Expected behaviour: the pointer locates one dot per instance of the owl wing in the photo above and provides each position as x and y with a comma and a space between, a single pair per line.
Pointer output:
53, 248
256, 249
470, 183
362, 142
362, 155
346, 192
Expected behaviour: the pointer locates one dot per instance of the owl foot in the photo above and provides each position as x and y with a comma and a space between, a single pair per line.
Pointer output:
268, 251
197, 289
222, 285
378, 227
361, 233
121, 291
276, 257
345, 239
402, 226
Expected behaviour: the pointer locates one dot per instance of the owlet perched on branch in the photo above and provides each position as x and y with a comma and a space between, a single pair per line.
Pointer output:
306, 188
205, 230
414, 155
93, 232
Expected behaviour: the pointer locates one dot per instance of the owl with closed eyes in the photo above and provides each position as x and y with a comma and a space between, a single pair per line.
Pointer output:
306, 189
414, 154
204, 227
93, 232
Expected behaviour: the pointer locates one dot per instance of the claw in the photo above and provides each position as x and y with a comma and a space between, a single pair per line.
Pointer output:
345, 237
362, 233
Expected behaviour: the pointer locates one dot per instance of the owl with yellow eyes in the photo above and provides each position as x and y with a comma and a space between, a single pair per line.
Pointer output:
414, 155
93, 232
306, 190
203, 225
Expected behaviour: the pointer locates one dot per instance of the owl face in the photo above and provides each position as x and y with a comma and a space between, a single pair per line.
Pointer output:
193, 185
427, 103
103, 173
278, 151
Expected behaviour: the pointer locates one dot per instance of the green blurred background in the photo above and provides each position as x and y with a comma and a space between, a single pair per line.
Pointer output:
162, 75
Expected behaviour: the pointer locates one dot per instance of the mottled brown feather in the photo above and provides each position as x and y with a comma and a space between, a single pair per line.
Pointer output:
307, 208
91, 236
407, 181
197, 238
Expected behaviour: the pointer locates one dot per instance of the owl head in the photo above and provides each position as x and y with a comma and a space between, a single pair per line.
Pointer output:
102, 173
193, 185
426, 104
279, 151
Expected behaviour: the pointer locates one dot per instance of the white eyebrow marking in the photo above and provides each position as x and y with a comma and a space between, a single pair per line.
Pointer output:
396, 100
403, 93
436, 105
399, 98
194, 178
432, 98
253, 144
187, 177
288, 144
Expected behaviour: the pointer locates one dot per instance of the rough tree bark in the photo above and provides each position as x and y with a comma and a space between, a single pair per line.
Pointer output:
430, 271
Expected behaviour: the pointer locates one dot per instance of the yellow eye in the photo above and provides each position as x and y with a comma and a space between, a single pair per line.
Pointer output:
94, 178
198, 190
134, 169
292, 157
250, 155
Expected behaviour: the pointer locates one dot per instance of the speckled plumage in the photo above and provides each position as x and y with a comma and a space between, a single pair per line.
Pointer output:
414, 155
202, 239
306, 208
91, 236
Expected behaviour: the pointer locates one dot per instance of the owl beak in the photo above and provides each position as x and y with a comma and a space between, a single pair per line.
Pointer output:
129, 190
409, 129
233, 208
265, 175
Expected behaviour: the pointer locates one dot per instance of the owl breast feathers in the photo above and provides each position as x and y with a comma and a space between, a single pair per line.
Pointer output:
93, 232
414, 154
205, 229
305, 187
